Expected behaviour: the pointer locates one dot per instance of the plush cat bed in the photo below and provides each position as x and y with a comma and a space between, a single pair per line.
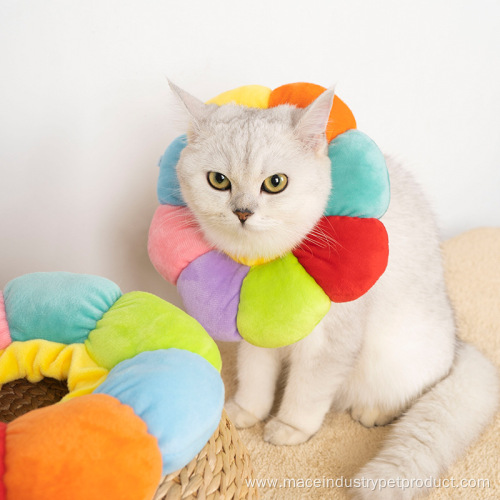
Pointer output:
222, 467
144, 397
278, 302
341, 446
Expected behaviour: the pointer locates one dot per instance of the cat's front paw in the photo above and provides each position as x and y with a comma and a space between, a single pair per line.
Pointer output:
372, 417
277, 432
240, 417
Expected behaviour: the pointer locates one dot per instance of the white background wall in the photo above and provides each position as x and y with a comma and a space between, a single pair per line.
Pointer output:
85, 111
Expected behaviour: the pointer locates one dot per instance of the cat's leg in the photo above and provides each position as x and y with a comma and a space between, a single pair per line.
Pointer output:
319, 365
307, 398
258, 370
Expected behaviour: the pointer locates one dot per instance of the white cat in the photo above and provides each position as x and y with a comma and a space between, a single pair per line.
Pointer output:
391, 353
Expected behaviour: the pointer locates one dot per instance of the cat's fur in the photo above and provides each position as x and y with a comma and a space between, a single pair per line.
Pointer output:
391, 353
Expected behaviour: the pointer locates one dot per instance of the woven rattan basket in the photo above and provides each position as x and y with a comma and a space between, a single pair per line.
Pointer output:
219, 472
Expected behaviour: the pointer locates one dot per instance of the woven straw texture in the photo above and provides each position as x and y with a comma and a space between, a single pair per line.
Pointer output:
219, 472
20, 396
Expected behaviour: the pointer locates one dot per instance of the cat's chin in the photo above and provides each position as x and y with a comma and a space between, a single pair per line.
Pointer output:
249, 246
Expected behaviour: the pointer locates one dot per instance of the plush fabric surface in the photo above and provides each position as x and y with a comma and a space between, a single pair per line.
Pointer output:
360, 179
174, 241
356, 264
140, 321
65, 451
36, 359
77, 302
253, 96
342, 446
177, 394
168, 189
5, 339
280, 303
301, 94
161, 403
211, 287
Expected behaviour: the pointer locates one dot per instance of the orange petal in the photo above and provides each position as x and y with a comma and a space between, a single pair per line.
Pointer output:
89, 447
303, 94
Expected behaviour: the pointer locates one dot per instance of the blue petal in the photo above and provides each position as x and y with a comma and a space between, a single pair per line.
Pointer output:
60, 307
360, 181
177, 393
169, 191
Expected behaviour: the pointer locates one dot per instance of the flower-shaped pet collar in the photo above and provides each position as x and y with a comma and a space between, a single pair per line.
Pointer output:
279, 302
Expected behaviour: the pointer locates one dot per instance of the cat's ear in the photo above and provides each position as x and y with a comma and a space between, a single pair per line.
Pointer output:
311, 126
196, 109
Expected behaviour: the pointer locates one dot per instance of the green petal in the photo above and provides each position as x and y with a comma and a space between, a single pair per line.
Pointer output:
139, 322
279, 303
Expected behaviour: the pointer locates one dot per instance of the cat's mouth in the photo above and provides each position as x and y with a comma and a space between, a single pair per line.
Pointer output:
251, 242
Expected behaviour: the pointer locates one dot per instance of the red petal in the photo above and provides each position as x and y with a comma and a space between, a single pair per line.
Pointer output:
345, 255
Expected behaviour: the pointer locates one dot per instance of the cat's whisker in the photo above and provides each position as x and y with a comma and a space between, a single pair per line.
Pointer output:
183, 223
318, 235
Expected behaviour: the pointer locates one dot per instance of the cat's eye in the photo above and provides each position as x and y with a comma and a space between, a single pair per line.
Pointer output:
275, 183
218, 181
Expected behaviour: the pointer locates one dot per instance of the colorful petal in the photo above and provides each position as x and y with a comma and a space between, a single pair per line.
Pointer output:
174, 241
3, 435
139, 322
345, 255
36, 359
303, 94
89, 447
210, 289
60, 307
252, 96
5, 338
177, 393
280, 303
168, 188
360, 181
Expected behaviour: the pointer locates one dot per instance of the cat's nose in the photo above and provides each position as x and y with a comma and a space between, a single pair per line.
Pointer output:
243, 214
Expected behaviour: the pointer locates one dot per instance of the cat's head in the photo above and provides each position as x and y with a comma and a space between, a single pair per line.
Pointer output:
257, 180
